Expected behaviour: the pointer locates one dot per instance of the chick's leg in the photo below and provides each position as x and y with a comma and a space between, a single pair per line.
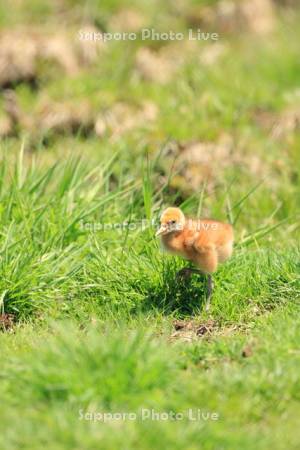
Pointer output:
186, 272
210, 287
208, 262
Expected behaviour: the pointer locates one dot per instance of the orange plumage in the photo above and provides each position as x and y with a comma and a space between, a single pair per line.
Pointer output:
204, 242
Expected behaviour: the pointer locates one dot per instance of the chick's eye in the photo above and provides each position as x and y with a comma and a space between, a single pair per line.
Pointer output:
172, 222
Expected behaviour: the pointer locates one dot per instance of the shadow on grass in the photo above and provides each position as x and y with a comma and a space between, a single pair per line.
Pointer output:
186, 297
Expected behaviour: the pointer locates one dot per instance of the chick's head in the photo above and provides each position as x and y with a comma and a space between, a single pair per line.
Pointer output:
172, 220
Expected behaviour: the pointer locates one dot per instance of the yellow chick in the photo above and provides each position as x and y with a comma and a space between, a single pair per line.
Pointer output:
204, 242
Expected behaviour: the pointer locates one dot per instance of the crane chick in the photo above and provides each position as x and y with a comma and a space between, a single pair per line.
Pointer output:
204, 242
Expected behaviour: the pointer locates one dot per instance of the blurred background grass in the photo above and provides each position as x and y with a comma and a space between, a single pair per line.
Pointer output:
215, 113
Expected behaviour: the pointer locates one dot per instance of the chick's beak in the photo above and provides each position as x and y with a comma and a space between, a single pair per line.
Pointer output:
161, 230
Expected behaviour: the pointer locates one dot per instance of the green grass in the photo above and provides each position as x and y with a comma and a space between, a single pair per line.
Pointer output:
93, 298
67, 238
52, 377
113, 295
